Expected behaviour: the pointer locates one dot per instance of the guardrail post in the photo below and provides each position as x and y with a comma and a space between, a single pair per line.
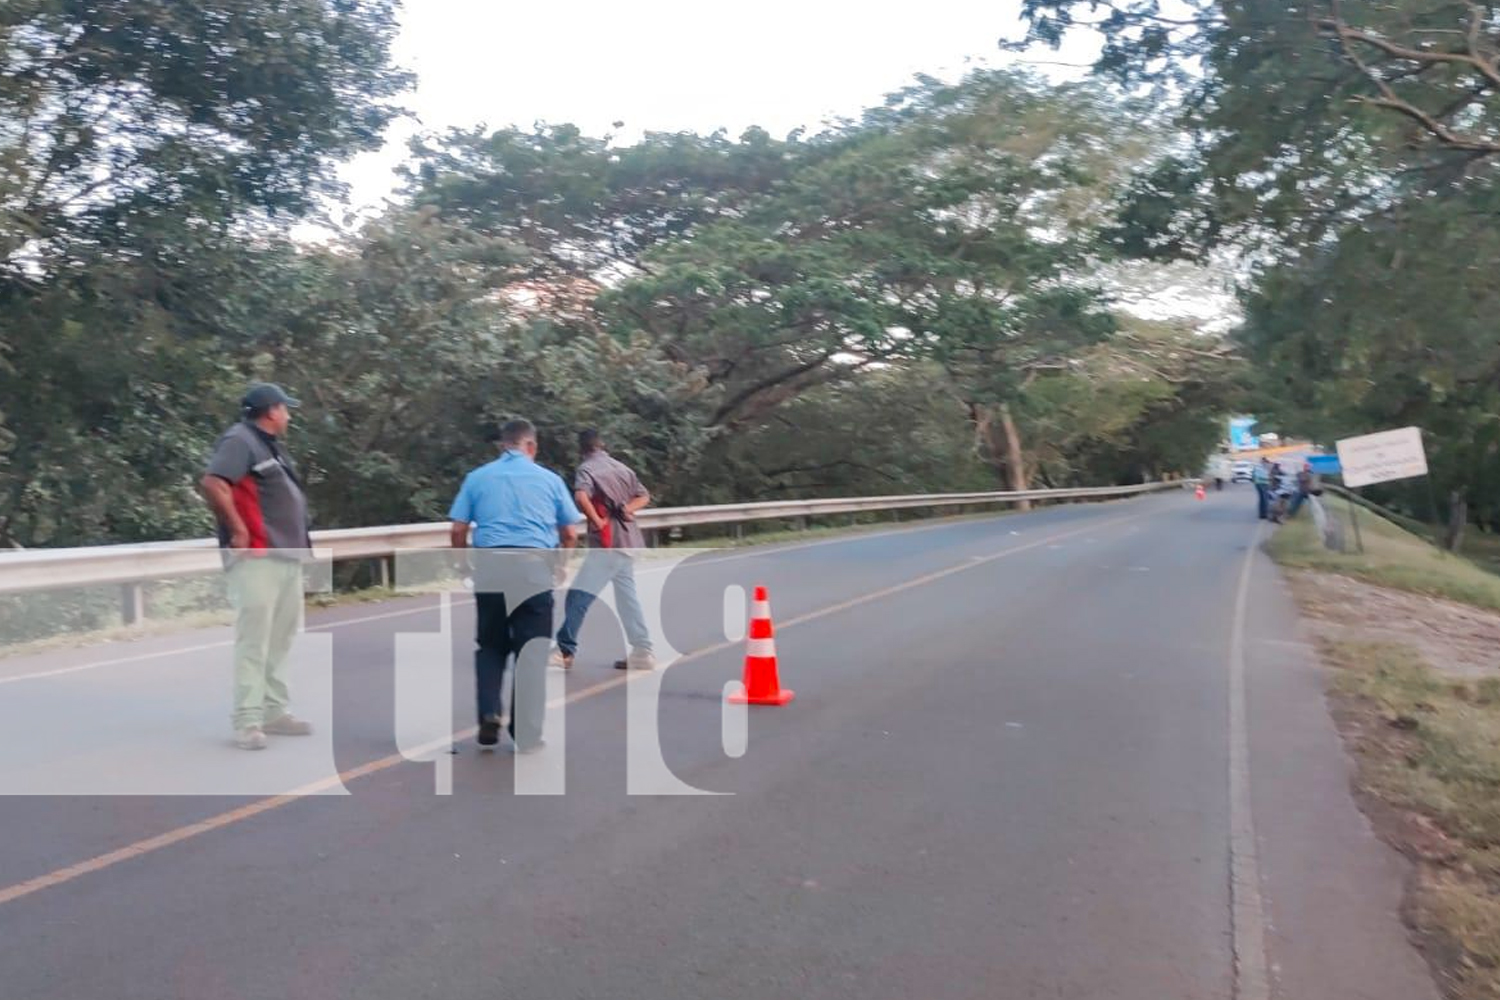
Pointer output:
133, 603
385, 571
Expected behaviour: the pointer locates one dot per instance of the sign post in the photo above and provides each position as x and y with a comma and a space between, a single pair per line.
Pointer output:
1380, 458
1359, 541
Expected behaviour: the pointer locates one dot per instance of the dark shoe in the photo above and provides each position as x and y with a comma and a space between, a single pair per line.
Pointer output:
489, 732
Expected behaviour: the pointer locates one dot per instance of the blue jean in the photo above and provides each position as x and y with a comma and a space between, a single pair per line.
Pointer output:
1264, 493
600, 568
1298, 499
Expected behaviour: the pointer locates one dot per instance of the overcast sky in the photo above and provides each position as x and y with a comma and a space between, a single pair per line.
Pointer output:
691, 65
672, 65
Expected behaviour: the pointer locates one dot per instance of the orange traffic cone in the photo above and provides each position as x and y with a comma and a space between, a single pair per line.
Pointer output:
762, 686
1199, 493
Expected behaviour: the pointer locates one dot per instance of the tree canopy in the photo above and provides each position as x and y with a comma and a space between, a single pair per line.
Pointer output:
911, 299
1347, 152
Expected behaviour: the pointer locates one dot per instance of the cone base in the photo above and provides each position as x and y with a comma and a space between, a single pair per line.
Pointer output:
779, 698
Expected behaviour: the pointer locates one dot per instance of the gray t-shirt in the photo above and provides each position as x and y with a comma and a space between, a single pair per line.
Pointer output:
611, 484
267, 493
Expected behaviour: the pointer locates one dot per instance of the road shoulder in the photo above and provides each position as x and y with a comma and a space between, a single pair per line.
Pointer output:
1412, 684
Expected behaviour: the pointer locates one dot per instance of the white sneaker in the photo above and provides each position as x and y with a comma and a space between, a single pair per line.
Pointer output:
250, 738
640, 659
560, 660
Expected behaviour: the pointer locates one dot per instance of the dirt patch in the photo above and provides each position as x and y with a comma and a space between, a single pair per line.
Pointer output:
1458, 638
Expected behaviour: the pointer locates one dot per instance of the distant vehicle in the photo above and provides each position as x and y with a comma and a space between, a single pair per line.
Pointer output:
1243, 472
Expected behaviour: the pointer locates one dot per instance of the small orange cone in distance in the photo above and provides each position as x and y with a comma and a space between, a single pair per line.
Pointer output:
1199, 493
762, 686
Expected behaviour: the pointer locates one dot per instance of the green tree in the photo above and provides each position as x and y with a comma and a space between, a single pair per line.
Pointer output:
118, 112
1385, 329
952, 224
1349, 151
140, 143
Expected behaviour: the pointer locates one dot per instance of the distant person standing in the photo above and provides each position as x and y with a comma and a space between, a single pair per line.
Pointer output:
1262, 478
1220, 469
256, 495
609, 493
1309, 484
520, 512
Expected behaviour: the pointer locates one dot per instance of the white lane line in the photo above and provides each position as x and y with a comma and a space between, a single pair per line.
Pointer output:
59, 671
1247, 909
221, 644
61, 876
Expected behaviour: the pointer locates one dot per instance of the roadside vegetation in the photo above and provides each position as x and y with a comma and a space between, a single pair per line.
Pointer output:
1392, 557
1415, 691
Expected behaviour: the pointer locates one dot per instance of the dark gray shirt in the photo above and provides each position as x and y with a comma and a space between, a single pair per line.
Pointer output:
267, 492
610, 485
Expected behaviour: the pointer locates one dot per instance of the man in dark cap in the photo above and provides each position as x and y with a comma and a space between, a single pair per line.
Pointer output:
257, 497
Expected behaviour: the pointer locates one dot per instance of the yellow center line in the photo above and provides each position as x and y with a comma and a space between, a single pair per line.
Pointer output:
149, 845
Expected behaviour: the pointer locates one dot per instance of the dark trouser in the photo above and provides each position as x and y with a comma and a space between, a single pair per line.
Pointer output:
1298, 499
1264, 493
513, 601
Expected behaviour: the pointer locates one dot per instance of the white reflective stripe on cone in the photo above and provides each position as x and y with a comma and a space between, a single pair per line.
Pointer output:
760, 609
762, 648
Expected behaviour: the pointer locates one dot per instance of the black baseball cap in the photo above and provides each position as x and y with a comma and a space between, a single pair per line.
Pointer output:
264, 395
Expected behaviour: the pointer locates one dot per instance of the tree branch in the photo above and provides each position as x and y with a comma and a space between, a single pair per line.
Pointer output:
1338, 27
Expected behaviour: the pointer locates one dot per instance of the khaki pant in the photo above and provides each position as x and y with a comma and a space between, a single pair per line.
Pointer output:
266, 594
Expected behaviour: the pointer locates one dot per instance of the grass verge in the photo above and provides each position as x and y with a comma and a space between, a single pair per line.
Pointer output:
1426, 744
1428, 753
1483, 548
1393, 557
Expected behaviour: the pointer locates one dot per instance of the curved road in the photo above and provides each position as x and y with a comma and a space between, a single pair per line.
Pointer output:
1076, 753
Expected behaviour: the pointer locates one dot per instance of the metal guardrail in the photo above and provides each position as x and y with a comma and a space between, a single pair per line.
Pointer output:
129, 565
1411, 524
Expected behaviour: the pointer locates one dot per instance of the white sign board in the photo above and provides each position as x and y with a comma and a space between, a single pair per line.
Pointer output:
1379, 458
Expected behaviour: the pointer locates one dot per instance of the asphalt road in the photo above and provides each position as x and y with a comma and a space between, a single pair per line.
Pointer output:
1010, 771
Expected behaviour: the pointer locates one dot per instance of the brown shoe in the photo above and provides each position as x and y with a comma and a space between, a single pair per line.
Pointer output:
287, 725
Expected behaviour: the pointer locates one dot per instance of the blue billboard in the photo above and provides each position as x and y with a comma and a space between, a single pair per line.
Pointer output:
1240, 438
